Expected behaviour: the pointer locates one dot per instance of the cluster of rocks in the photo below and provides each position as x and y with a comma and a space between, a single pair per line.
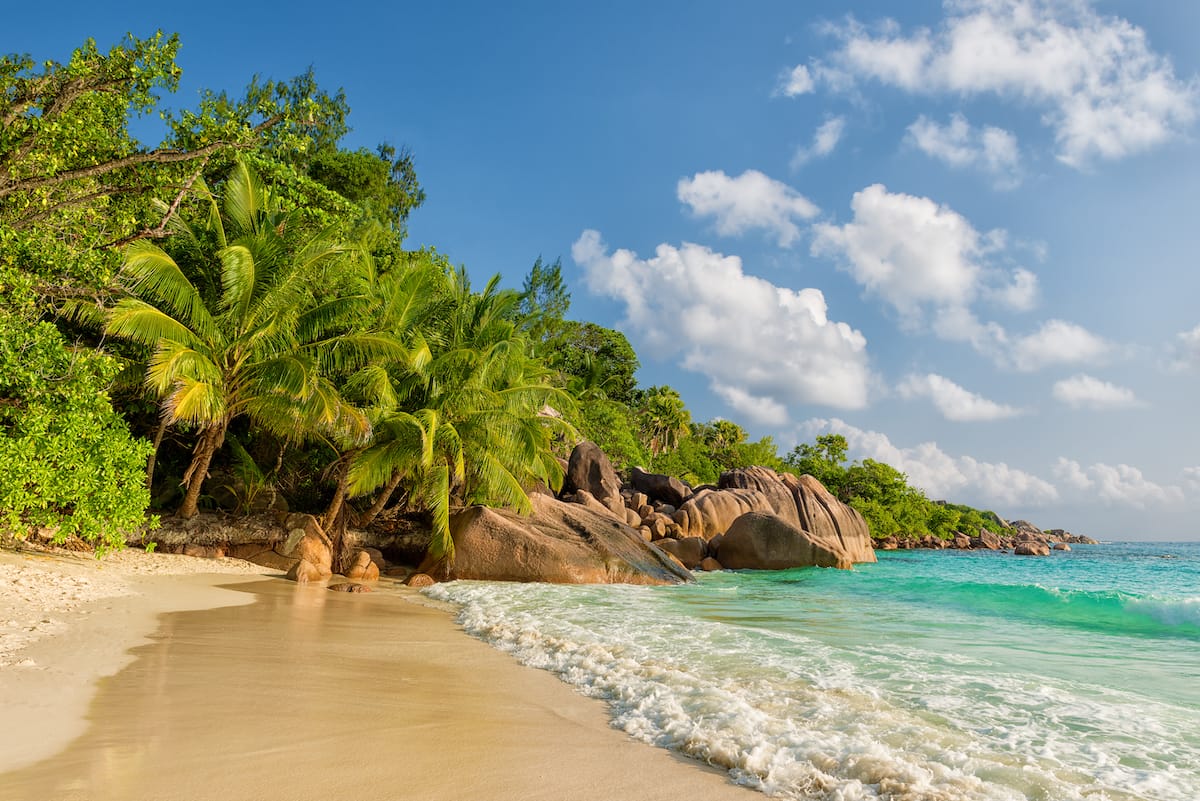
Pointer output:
753, 518
1028, 540
294, 544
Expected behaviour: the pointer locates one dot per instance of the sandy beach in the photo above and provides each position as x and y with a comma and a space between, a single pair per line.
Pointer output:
149, 676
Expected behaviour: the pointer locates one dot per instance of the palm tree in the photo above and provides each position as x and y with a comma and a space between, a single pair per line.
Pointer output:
472, 430
236, 326
665, 419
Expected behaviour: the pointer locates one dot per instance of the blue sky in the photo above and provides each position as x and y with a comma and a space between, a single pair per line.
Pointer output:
962, 233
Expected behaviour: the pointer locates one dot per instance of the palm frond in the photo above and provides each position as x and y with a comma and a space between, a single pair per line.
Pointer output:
138, 321
195, 402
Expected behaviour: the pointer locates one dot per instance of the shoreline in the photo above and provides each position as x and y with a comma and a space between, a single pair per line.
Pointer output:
295, 691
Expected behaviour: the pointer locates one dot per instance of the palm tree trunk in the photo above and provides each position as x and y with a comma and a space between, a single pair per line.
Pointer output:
339, 495
153, 457
210, 442
385, 495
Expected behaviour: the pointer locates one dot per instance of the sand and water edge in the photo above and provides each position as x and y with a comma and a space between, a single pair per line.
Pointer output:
154, 676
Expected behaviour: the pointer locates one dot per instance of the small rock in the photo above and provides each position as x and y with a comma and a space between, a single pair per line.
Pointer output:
419, 580
710, 564
349, 586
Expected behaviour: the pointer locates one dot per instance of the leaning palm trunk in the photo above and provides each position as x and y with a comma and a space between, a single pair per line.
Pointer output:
209, 443
152, 459
385, 495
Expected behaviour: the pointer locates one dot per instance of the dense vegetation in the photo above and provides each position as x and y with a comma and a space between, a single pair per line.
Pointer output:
231, 318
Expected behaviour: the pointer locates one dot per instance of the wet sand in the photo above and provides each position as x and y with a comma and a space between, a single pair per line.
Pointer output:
312, 694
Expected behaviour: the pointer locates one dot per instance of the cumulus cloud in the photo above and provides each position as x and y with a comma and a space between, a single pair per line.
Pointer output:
1071, 473
915, 254
1020, 294
1186, 351
761, 346
1058, 342
1125, 484
765, 411
954, 402
1102, 89
991, 150
824, 140
749, 201
940, 474
907, 249
796, 81
1085, 392
1117, 484
929, 263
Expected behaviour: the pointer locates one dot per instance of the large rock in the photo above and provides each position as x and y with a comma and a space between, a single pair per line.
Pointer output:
589, 469
712, 512
1031, 548
828, 519
767, 482
690, 551
758, 541
560, 542
986, 539
666, 489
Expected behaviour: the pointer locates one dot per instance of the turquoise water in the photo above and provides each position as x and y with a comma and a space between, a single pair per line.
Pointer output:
930, 675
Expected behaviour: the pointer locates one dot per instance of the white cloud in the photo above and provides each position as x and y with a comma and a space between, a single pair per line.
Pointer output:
990, 150
751, 200
796, 81
1083, 391
1191, 475
954, 402
761, 346
765, 411
1058, 342
927, 466
1102, 89
1125, 484
1019, 295
1071, 473
907, 249
1117, 484
1186, 352
825, 139
914, 253
928, 262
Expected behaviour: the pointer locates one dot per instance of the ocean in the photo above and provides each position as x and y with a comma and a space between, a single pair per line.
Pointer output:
932, 675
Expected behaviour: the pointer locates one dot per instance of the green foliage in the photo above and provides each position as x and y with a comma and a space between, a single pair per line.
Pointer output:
613, 427
663, 419
823, 460
67, 461
543, 305
882, 494
597, 362
237, 323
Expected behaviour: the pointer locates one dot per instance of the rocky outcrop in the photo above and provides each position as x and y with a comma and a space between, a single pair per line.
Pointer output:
758, 541
828, 519
712, 512
560, 542
1031, 548
362, 566
767, 482
590, 470
657, 487
1060, 546
986, 539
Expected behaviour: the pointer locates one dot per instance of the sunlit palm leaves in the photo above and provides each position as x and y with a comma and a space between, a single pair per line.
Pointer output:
232, 312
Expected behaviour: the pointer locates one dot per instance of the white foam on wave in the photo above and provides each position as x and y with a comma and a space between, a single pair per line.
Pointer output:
798, 717
1169, 611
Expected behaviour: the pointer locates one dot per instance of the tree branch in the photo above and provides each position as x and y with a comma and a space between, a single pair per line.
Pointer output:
158, 156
